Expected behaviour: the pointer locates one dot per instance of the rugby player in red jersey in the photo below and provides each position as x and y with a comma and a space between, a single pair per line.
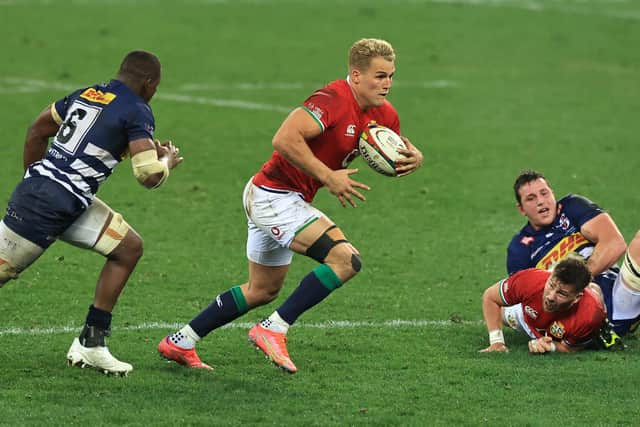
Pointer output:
313, 148
560, 310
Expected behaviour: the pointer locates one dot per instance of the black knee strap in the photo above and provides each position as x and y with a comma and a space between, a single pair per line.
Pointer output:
321, 247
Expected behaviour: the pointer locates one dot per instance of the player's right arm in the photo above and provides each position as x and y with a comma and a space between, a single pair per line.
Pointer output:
152, 161
38, 134
609, 243
492, 311
291, 142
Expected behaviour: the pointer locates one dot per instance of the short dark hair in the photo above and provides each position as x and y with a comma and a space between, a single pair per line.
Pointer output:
573, 271
526, 177
140, 65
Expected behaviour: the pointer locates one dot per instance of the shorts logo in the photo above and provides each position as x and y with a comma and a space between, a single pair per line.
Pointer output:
276, 232
98, 96
219, 301
557, 330
531, 312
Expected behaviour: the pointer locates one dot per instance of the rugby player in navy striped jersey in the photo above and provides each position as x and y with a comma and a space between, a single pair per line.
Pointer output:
92, 130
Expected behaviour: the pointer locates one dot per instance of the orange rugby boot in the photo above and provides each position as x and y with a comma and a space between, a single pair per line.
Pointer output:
189, 358
273, 345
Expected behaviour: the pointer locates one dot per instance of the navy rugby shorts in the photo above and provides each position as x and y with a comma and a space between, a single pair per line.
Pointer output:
40, 210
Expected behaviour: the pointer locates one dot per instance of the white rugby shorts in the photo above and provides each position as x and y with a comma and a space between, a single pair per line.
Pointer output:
513, 317
274, 217
625, 302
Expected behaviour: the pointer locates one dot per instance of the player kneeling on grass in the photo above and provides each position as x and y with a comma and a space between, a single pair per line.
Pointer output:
560, 310
313, 147
94, 128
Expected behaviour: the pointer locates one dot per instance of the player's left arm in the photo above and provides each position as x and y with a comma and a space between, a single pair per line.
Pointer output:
412, 160
492, 311
151, 161
38, 134
609, 243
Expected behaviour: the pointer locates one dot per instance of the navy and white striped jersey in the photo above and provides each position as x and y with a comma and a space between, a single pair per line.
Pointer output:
543, 248
96, 125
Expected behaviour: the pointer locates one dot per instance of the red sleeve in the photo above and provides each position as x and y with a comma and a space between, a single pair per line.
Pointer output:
324, 105
510, 288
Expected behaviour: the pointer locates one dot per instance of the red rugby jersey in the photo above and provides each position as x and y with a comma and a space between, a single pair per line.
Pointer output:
342, 121
574, 327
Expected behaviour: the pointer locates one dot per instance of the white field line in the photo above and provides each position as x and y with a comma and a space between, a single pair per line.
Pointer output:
293, 86
18, 85
225, 103
336, 324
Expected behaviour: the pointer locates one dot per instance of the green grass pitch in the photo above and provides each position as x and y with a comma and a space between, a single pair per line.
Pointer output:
484, 87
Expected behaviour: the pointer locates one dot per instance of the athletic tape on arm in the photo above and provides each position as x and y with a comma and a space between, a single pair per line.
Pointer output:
146, 163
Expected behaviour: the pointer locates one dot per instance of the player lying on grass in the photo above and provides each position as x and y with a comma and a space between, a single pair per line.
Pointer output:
574, 224
559, 310
313, 148
92, 129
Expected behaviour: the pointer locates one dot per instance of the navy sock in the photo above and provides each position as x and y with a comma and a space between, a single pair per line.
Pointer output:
313, 288
98, 318
226, 307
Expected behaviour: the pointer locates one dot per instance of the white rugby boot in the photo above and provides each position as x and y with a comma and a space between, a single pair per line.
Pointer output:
96, 355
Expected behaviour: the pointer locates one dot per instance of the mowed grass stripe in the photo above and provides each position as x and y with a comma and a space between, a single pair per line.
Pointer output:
336, 324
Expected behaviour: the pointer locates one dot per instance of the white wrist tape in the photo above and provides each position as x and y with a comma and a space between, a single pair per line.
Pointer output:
496, 336
553, 347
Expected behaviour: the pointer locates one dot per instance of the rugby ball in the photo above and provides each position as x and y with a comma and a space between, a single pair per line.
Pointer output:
378, 146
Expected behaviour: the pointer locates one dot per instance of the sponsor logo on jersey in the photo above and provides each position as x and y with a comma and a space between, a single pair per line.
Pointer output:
557, 330
98, 96
530, 312
351, 130
563, 248
527, 240
315, 110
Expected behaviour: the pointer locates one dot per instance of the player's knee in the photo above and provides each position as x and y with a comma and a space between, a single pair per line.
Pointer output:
345, 262
116, 236
356, 262
7, 272
630, 271
129, 250
258, 297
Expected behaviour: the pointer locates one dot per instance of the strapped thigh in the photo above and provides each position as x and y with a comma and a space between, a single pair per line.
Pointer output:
98, 228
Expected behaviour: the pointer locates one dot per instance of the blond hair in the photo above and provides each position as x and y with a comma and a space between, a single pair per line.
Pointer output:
364, 50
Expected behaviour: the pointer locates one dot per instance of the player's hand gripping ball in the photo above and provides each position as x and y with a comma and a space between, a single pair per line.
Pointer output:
379, 146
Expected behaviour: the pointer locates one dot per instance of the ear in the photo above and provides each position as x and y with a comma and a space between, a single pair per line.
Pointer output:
578, 296
355, 74
519, 207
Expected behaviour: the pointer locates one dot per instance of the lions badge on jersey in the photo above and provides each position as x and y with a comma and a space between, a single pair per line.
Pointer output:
557, 330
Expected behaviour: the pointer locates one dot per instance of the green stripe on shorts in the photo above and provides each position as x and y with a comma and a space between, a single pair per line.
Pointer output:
306, 225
